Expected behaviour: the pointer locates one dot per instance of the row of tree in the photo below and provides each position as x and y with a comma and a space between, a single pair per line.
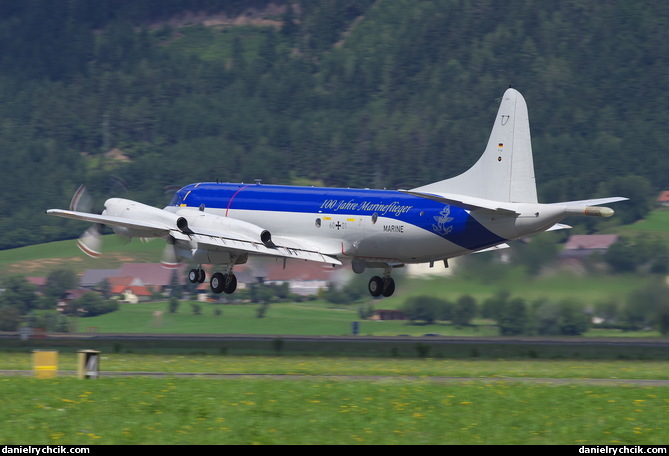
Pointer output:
644, 309
23, 303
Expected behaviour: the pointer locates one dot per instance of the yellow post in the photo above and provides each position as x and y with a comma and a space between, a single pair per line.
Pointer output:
45, 364
88, 362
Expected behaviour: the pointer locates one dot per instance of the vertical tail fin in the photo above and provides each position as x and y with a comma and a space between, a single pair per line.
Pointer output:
505, 171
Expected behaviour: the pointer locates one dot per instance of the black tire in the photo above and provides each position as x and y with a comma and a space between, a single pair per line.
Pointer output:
193, 276
388, 286
217, 282
375, 286
230, 283
201, 276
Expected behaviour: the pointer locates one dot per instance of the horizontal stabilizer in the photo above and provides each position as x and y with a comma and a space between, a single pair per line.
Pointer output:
494, 248
589, 207
559, 226
592, 202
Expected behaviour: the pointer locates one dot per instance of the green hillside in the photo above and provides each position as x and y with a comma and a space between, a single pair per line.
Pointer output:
40, 260
345, 93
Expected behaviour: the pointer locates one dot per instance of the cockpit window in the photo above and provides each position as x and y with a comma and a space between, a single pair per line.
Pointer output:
179, 197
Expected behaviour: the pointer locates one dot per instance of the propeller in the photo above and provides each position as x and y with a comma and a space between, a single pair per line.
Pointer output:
90, 242
169, 258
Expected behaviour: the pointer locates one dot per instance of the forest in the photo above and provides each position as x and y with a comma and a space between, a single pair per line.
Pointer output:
359, 93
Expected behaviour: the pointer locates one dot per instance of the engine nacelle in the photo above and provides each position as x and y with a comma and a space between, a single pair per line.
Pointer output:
132, 210
189, 220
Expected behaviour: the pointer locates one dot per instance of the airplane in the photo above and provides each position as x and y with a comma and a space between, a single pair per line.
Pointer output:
223, 224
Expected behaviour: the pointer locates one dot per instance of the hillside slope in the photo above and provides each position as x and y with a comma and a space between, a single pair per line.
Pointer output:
345, 93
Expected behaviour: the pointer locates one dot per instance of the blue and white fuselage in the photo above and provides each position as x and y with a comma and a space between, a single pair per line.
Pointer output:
371, 225
222, 224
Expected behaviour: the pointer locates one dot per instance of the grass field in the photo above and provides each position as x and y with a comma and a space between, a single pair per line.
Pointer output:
388, 409
40, 260
321, 318
383, 367
656, 224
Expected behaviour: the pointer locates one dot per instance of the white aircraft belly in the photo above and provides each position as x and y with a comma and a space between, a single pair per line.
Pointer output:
352, 236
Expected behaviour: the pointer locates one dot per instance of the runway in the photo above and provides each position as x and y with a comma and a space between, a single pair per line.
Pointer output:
433, 339
368, 378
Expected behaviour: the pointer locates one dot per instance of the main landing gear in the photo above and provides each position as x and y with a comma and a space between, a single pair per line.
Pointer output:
381, 286
219, 283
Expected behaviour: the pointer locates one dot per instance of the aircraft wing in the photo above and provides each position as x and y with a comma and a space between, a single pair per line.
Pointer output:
467, 202
225, 242
112, 221
164, 224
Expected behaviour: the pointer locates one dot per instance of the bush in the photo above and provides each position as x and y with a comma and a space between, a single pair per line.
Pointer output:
91, 304
513, 316
425, 308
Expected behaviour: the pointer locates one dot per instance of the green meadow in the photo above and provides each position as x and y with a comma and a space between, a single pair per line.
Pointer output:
322, 318
655, 224
397, 405
251, 411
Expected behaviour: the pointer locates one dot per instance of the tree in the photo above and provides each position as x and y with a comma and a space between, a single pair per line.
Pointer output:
512, 315
19, 294
173, 305
91, 304
648, 307
494, 306
57, 283
176, 288
423, 308
638, 189
629, 254
566, 318
464, 310
10, 318
536, 253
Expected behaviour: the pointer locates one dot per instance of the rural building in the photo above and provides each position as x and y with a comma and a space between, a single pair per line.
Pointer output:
663, 198
388, 315
582, 245
303, 278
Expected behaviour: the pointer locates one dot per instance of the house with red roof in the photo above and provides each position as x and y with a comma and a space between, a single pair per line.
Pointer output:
663, 198
132, 289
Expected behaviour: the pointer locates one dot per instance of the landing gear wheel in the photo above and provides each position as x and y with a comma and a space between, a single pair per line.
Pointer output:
217, 282
375, 286
230, 283
193, 275
388, 286
196, 276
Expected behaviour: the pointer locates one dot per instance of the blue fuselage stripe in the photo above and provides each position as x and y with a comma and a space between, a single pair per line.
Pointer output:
450, 222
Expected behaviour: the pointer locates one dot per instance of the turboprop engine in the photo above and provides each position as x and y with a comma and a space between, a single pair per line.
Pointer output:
205, 223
